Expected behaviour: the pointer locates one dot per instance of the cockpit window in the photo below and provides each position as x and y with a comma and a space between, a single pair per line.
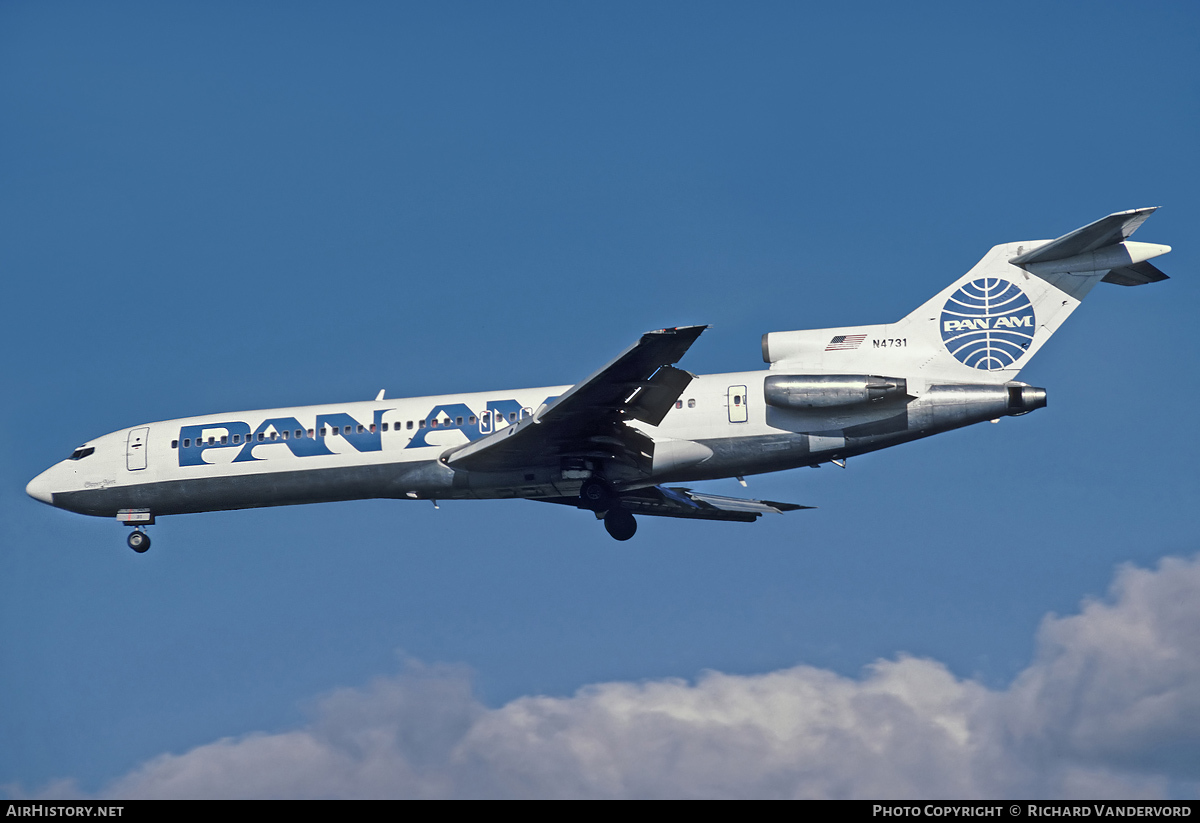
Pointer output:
81, 453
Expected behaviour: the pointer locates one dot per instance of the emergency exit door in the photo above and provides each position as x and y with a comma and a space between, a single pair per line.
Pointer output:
737, 404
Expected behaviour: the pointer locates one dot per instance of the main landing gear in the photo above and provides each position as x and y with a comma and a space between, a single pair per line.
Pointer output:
598, 496
620, 524
595, 495
138, 540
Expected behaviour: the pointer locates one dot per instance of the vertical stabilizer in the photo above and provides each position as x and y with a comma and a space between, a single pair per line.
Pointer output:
986, 325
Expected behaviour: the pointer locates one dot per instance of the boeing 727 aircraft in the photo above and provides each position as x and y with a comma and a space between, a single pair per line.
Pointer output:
612, 442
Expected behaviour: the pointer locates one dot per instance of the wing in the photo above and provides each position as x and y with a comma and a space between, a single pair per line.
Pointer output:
675, 501
641, 383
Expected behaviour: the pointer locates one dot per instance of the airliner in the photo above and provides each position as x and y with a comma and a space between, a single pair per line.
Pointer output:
615, 443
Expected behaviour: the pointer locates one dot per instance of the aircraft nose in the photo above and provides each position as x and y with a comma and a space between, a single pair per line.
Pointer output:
39, 488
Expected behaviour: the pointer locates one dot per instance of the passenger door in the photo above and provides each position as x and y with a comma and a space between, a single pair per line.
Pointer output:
135, 450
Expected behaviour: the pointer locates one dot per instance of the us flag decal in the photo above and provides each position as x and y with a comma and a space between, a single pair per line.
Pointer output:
845, 341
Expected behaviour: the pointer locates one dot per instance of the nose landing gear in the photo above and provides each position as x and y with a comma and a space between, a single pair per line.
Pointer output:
138, 540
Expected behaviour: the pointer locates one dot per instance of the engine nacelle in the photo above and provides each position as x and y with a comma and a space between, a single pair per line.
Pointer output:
825, 391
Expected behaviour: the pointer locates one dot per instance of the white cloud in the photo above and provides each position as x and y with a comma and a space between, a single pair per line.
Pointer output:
1119, 683
1110, 707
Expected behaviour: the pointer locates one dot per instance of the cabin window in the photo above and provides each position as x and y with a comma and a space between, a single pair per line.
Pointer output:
261, 437
410, 424
237, 438
360, 429
174, 444
385, 426
679, 404
211, 440
372, 428
285, 434
691, 404
310, 432
187, 442
323, 431
274, 435
458, 421
299, 433
420, 424
224, 439
512, 417
471, 420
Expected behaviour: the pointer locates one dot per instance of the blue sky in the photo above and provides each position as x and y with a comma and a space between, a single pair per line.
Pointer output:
232, 206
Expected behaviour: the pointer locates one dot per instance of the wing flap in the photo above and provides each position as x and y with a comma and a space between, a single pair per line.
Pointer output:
640, 383
676, 501
651, 402
740, 504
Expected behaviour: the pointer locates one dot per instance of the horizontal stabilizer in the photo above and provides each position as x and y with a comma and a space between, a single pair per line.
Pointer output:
1139, 274
1107, 231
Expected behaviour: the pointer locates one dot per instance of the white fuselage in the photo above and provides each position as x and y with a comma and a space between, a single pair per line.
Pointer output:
391, 449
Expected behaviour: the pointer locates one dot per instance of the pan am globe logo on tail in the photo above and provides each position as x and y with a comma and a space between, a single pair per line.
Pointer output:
988, 324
